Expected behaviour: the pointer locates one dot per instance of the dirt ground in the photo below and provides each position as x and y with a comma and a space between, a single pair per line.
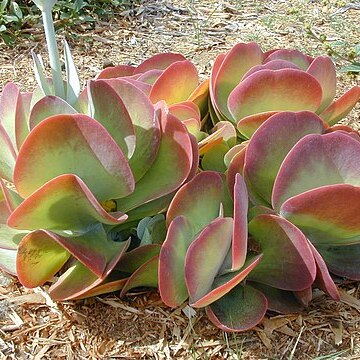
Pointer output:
32, 326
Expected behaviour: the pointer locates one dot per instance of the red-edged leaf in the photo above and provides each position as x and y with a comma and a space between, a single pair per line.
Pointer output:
109, 110
225, 283
200, 97
49, 106
280, 301
240, 231
159, 61
294, 56
114, 282
116, 72
239, 310
93, 248
323, 279
79, 280
64, 203
185, 110
137, 257
315, 161
323, 70
74, 144
176, 83
275, 90
175, 157
149, 77
288, 263
12, 198
233, 67
39, 258
342, 260
271, 143
249, 124
327, 215
236, 166
145, 122
199, 200
145, 276
276, 64
205, 256
7, 156
172, 284
342, 106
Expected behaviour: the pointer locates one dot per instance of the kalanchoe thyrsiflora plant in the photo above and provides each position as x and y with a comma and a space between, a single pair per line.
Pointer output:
74, 184
310, 176
207, 258
172, 78
247, 86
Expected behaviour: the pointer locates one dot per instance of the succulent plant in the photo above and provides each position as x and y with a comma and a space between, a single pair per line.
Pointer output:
247, 86
77, 178
207, 258
310, 177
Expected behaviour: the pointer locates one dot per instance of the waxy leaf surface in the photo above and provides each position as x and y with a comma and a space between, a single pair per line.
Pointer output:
205, 256
315, 161
175, 157
275, 90
327, 215
176, 83
199, 200
271, 143
239, 310
172, 285
276, 236
73, 144
63, 204
39, 258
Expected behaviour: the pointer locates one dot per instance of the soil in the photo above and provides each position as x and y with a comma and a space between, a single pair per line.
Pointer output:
32, 326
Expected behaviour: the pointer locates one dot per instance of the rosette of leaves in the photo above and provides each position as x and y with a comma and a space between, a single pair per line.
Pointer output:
172, 78
297, 167
208, 258
248, 85
76, 184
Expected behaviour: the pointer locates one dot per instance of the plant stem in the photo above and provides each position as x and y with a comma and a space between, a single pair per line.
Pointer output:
53, 53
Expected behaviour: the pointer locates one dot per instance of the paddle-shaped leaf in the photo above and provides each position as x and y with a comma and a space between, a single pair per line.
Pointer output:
342, 260
175, 157
239, 310
323, 279
205, 256
7, 156
271, 143
109, 110
275, 90
172, 285
342, 106
226, 76
63, 204
39, 258
146, 125
199, 200
315, 161
323, 70
145, 276
226, 282
327, 215
276, 236
159, 62
240, 231
176, 83
49, 106
74, 144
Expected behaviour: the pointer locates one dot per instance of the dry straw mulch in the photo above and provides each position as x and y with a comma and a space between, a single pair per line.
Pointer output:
140, 326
